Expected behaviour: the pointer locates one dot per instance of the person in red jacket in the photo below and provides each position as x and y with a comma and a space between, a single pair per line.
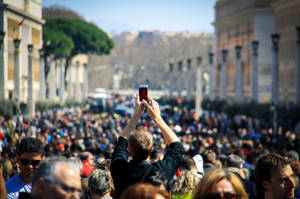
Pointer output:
87, 160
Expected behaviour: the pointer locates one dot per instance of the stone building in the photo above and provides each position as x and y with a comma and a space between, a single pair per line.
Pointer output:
20, 20
239, 22
287, 18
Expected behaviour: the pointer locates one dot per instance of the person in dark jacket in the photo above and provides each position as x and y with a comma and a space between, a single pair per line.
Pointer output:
234, 163
139, 143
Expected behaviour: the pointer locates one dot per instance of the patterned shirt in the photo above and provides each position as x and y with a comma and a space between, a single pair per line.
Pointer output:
15, 185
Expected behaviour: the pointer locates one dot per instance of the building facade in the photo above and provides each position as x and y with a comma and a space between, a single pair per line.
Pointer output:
20, 20
287, 18
238, 23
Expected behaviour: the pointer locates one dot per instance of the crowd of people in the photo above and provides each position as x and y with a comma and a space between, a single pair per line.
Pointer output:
154, 153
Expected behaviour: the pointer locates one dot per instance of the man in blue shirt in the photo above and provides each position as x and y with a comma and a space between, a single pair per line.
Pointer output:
29, 155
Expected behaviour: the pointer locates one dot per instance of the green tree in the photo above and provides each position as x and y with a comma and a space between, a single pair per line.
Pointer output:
87, 38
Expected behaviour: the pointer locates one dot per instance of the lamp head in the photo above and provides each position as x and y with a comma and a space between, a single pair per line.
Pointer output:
30, 48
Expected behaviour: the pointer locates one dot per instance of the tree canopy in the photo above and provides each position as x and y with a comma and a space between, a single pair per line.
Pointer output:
66, 38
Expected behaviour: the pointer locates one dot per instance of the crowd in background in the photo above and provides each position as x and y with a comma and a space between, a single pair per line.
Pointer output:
91, 139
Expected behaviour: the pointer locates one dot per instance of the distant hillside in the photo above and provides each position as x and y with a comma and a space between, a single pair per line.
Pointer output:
144, 57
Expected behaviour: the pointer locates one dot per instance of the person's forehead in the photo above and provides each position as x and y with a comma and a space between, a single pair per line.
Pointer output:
29, 155
67, 175
282, 172
224, 185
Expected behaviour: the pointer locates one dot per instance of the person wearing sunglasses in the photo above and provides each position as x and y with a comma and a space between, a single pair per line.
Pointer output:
29, 156
57, 177
220, 184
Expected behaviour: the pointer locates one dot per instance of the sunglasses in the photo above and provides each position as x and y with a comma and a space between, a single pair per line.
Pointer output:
31, 162
225, 195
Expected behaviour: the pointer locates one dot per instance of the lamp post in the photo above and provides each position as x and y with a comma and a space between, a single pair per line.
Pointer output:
298, 67
179, 78
30, 101
224, 75
17, 69
42, 76
255, 45
77, 91
275, 69
189, 78
85, 82
70, 84
61, 81
212, 75
52, 79
171, 77
198, 88
238, 81
2, 70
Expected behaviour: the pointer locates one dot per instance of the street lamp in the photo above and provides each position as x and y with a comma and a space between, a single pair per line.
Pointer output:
30, 48
2, 72
239, 77
211, 58
17, 43
199, 61
275, 40
224, 74
255, 45
298, 67
189, 64
171, 86
275, 71
30, 101
2, 34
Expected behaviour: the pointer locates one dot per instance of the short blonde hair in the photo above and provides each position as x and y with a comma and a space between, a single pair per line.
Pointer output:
209, 181
140, 143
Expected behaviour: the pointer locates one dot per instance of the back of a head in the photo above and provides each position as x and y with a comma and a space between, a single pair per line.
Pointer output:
185, 183
234, 161
99, 182
47, 168
30, 145
140, 143
208, 182
144, 191
266, 165
293, 155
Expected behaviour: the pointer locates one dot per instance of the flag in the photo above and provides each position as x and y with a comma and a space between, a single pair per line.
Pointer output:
21, 22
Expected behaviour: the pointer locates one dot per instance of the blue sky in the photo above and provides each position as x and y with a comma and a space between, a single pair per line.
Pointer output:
132, 15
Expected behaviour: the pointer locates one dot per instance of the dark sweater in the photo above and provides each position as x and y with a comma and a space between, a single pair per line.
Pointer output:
126, 173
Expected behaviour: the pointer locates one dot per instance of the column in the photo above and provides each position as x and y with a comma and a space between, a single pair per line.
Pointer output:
2, 65
17, 90
42, 76
298, 68
77, 91
255, 45
52, 78
70, 84
224, 75
171, 78
275, 68
30, 101
179, 79
85, 82
212, 75
61, 81
238, 80
198, 88
189, 79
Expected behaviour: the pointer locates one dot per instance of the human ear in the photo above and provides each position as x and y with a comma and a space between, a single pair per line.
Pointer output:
266, 184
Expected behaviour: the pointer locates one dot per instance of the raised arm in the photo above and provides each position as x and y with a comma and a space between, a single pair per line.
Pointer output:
154, 113
139, 109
